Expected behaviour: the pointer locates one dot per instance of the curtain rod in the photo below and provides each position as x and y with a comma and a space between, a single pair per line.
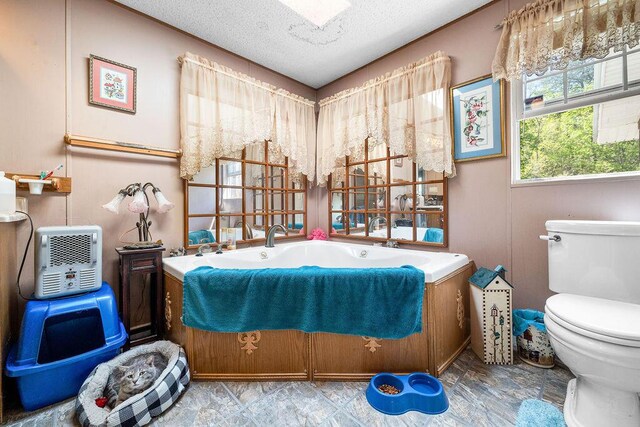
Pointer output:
375, 83
302, 101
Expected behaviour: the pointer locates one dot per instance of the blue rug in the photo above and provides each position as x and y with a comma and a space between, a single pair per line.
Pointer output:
536, 413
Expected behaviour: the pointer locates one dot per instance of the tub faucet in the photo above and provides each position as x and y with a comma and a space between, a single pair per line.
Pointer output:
373, 221
392, 244
201, 249
271, 233
246, 228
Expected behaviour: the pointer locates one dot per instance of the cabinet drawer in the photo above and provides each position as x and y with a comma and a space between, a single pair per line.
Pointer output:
138, 264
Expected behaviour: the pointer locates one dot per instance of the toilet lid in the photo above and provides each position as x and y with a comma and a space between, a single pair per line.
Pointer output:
607, 318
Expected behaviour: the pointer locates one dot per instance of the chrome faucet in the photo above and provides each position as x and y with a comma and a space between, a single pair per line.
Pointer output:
392, 244
373, 221
271, 233
201, 249
246, 227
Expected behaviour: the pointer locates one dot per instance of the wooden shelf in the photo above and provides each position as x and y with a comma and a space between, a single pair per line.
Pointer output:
59, 184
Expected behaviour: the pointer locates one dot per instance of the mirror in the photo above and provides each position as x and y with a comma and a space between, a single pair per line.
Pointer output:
385, 196
241, 197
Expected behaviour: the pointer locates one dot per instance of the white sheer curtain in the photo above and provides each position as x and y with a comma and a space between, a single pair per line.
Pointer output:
548, 34
406, 110
223, 111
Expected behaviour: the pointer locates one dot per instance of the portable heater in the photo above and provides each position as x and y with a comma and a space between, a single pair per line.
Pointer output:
68, 260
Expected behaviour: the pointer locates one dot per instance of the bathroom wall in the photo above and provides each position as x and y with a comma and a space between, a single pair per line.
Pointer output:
489, 219
44, 46
44, 50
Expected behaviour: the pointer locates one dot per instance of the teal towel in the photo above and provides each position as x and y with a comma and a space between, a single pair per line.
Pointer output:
201, 236
536, 413
377, 302
434, 235
340, 225
522, 318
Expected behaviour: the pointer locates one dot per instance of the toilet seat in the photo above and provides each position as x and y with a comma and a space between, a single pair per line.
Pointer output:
605, 320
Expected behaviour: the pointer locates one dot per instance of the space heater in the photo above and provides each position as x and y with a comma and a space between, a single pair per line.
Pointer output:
68, 260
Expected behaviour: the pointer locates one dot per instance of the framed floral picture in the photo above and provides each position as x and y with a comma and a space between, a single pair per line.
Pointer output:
477, 119
112, 84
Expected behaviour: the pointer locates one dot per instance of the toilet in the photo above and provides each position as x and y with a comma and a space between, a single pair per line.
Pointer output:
593, 322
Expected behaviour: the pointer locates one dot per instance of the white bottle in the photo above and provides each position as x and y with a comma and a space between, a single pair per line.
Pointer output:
7, 195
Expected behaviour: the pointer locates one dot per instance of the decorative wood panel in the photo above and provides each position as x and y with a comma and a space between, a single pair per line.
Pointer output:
175, 331
276, 355
294, 355
351, 357
447, 339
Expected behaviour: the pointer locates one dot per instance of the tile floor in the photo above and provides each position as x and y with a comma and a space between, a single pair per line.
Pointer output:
479, 395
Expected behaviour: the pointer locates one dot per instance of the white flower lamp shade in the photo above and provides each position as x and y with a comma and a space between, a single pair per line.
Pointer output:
139, 202
164, 205
114, 204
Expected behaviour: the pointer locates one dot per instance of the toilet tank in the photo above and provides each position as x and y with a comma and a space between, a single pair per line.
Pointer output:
595, 258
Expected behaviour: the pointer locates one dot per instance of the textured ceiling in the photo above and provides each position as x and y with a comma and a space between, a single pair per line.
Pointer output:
273, 35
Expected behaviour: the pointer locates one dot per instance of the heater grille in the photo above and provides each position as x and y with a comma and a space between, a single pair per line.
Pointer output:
51, 283
70, 249
87, 278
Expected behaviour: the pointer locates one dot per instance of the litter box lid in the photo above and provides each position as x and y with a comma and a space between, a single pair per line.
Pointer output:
606, 318
38, 313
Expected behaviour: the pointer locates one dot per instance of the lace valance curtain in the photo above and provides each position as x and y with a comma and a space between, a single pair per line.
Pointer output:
406, 110
548, 34
223, 111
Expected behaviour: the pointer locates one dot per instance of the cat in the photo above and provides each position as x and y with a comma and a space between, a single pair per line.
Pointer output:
135, 376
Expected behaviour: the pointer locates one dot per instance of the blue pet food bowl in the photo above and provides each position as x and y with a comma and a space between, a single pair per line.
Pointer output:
418, 392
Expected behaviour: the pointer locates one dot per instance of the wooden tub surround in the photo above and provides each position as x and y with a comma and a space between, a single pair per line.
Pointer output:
296, 355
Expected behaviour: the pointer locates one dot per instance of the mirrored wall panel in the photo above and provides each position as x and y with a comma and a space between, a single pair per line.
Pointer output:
382, 196
238, 199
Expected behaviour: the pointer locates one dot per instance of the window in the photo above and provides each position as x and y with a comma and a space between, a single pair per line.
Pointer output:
240, 198
579, 122
385, 196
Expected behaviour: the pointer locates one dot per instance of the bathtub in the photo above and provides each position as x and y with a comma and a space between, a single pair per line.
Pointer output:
274, 355
435, 265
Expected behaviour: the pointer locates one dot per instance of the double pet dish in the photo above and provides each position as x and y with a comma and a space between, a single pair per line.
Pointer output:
416, 392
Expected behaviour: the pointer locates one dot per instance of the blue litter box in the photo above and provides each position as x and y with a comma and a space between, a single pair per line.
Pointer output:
418, 392
61, 341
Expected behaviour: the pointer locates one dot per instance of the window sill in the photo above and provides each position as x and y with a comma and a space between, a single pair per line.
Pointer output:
578, 179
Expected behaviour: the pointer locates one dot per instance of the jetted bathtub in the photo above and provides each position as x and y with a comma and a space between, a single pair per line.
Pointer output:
295, 355
435, 265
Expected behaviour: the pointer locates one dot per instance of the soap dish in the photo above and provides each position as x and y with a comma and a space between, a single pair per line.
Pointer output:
417, 392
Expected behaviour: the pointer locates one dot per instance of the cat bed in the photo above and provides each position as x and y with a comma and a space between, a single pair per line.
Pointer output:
141, 408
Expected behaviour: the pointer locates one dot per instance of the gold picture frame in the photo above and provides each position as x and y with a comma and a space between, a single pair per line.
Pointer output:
112, 84
484, 125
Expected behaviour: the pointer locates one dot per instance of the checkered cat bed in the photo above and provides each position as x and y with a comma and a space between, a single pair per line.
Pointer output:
138, 410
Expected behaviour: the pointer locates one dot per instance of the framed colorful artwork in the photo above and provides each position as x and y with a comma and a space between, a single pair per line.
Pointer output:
112, 84
477, 119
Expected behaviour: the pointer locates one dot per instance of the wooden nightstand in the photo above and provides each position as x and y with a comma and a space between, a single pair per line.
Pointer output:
140, 262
